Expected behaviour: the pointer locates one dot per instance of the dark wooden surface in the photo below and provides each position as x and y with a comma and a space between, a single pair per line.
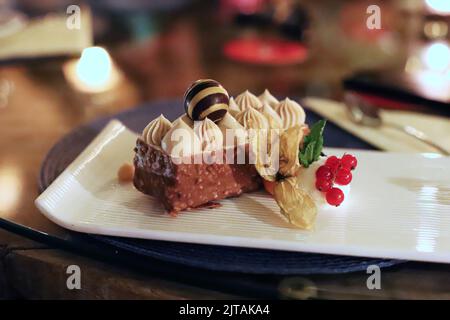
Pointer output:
41, 108
31, 270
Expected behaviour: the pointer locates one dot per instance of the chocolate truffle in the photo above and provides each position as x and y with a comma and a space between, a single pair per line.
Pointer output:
206, 98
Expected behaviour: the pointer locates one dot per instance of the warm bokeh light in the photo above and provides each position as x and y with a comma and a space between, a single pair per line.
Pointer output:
429, 70
436, 56
439, 6
433, 84
94, 67
435, 29
10, 188
93, 72
413, 64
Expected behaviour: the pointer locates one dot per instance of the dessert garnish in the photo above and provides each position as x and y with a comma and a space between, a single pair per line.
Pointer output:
251, 118
274, 119
312, 144
125, 173
232, 131
291, 113
181, 141
156, 130
291, 185
206, 98
246, 100
233, 107
335, 196
278, 151
267, 97
296, 205
335, 171
186, 120
230, 122
209, 134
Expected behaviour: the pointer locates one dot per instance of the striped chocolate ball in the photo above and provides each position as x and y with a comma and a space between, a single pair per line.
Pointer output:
206, 98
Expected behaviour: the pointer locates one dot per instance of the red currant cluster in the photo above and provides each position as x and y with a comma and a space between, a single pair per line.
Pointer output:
337, 171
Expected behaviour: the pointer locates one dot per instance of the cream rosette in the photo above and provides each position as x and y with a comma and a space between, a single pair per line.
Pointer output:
272, 117
267, 97
156, 130
233, 108
251, 118
233, 132
291, 113
181, 141
209, 134
248, 100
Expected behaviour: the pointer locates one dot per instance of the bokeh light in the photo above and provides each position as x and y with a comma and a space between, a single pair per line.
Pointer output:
436, 56
10, 187
439, 6
93, 72
94, 67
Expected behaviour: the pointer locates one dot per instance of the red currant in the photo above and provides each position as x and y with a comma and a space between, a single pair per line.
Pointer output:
323, 185
343, 176
324, 172
333, 162
349, 161
335, 196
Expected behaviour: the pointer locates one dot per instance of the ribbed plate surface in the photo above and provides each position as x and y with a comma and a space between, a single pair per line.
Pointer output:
399, 207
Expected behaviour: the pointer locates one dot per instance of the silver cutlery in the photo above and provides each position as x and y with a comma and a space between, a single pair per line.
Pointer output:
365, 114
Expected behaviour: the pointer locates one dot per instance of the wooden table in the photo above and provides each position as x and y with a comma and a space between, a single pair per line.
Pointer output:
40, 107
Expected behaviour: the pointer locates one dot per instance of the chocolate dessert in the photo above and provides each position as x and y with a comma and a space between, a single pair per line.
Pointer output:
161, 169
223, 147
181, 186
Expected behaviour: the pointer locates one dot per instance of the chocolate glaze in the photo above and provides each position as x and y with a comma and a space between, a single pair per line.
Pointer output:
183, 186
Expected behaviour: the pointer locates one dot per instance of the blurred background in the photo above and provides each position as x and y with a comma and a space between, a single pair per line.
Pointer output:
65, 62
152, 49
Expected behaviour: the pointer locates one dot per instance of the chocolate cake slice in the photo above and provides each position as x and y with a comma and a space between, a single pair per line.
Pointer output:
209, 126
181, 186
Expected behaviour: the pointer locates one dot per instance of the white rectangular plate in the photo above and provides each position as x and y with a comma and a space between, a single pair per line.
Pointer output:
399, 207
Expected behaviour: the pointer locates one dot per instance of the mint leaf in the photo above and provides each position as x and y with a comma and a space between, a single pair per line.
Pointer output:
318, 148
316, 130
309, 151
303, 160
312, 144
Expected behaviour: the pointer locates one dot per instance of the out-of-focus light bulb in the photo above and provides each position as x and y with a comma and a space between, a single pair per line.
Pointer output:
436, 56
433, 84
435, 29
94, 67
93, 72
439, 6
10, 188
429, 70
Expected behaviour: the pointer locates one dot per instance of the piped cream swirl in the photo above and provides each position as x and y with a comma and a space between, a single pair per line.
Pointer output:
233, 108
248, 100
232, 131
209, 134
252, 119
156, 130
186, 119
180, 140
291, 113
272, 117
267, 97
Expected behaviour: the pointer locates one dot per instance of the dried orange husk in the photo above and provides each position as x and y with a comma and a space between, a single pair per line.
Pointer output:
264, 148
295, 203
290, 141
